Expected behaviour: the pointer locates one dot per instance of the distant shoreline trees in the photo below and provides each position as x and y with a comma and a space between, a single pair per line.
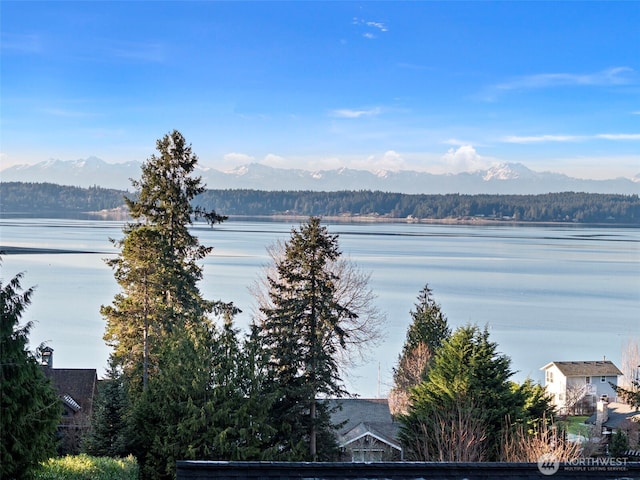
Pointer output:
43, 199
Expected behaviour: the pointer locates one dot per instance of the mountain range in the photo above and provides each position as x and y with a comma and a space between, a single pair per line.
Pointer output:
507, 178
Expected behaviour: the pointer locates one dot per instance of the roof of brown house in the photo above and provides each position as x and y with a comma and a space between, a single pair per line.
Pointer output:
586, 368
80, 384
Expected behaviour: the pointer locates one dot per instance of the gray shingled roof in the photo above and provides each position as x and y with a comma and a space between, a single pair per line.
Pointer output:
359, 414
586, 368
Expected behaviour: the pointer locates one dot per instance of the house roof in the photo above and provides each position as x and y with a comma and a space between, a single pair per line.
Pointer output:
585, 368
357, 417
76, 386
367, 428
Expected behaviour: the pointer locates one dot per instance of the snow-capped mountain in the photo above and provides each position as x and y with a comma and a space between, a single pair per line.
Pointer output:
508, 178
507, 171
78, 173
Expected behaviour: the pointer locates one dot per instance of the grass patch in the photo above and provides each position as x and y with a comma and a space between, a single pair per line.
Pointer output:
576, 425
86, 467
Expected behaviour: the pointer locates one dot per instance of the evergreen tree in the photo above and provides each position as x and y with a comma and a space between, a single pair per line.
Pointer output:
631, 395
137, 320
362, 330
536, 404
254, 414
429, 325
237, 410
108, 436
159, 325
166, 424
619, 444
467, 392
302, 330
428, 330
157, 268
30, 407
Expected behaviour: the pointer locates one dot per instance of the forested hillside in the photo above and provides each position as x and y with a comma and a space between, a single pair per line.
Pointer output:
32, 198
565, 207
44, 198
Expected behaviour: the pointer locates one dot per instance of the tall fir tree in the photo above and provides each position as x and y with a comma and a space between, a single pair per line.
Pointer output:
302, 329
29, 405
159, 325
157, 268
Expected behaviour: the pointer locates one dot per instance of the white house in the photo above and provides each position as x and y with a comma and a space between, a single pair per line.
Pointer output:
575, 387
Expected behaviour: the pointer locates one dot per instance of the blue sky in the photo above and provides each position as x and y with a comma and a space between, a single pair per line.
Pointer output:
432, 86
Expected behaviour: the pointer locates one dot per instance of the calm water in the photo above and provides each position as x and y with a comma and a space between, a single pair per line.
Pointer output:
546, 293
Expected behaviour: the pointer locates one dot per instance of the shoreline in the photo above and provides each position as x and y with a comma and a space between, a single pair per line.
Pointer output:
119, 214
11, 250
426, 221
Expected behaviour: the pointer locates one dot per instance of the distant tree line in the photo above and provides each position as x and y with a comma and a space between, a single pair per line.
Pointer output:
39, 198
551, 207
21, 197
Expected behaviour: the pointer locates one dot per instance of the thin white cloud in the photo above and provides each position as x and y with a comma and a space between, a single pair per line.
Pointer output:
351, 113
455, 142
377, 27
569, 138
619, 136
608, 77
541, 138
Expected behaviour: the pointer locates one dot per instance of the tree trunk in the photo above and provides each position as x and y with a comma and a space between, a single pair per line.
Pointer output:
312, 439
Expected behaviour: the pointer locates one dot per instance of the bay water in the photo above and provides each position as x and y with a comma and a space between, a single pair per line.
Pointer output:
546, 293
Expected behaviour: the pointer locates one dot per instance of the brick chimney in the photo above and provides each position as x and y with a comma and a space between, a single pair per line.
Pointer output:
46, 354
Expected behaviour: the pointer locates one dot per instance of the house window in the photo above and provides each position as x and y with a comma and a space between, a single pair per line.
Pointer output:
587, 380
549, 376
366, 455
603, 379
